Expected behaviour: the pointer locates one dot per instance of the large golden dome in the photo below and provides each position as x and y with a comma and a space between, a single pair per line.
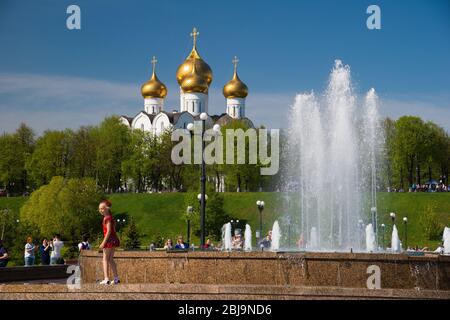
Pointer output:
235, 88
194, 82
203, 70
154, 88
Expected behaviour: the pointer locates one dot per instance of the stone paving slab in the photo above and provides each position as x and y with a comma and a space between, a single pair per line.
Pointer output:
205, 292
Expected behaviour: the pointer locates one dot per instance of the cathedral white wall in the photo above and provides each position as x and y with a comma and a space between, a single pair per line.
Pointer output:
153, 105
142, 122
195, 103
236, 107
124, 121
160, 123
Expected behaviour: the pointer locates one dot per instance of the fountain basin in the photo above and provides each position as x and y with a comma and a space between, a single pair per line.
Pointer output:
299, 269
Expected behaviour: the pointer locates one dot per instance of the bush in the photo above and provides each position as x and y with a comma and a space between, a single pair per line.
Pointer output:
65, 206
432, 228
131, 236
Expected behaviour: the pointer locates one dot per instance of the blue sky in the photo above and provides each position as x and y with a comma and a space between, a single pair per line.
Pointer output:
52, 77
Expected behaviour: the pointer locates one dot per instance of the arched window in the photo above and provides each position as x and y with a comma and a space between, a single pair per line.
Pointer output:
142, 126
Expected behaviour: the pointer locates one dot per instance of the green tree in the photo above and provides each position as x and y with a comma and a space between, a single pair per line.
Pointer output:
131, 236
15, 149
112, 139
51, 157
64, 206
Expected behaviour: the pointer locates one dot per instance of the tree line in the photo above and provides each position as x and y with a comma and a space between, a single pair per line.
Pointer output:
415, 151
116, 158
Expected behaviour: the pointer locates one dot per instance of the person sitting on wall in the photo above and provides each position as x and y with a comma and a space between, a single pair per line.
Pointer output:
238, 242
267, 241
208, 245
3, 255
181, 244
168, 245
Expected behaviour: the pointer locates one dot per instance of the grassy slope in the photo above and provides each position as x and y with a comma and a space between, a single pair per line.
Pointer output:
160, 213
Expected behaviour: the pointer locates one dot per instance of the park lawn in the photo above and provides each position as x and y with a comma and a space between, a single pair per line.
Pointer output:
161, 213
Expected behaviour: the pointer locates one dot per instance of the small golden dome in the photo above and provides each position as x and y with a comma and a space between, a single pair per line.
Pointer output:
154, 88
194, 82
202, 68
235, 88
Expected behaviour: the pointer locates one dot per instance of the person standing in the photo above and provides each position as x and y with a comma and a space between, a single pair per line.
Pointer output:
57, 245
44, 250
30, 248
3, 255
109, 243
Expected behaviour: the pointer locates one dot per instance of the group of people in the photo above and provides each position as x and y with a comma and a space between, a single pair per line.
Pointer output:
440, 187
49, 251
181, 245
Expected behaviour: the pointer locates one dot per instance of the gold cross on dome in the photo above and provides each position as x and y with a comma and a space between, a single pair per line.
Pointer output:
235, 62
194, 34
154, 61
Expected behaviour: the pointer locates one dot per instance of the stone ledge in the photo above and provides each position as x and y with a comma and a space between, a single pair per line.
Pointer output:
216, 292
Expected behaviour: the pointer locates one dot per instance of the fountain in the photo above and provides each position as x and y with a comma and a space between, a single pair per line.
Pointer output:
248, 238
226, 236
371, 244
276, 235
331, 162
446, 240
313, 244
395, 241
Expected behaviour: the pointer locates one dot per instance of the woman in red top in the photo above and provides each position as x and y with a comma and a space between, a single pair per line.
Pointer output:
109, 243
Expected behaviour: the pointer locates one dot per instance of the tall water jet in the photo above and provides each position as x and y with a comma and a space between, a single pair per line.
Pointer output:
331, 155
371, 141
248, 238
313, 243
226, 236
395, 241
371, 244
446, 240
276, 235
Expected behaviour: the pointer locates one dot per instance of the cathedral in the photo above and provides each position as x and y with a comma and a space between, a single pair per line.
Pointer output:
194, 77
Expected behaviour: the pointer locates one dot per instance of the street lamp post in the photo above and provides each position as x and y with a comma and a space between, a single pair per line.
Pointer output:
405, 221
260, 205
203, 118
189, 211
383, 227
202, 198
234, 223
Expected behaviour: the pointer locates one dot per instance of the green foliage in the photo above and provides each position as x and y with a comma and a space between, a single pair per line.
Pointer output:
69, 251
112, 147
15, 149
158, 240
432, 228
65, 206
131, 236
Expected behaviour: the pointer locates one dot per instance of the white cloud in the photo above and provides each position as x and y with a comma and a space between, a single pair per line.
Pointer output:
436, 110
58, 102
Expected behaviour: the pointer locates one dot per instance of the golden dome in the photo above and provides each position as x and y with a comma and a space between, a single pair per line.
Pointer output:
154, 88
194, 82
235, 88
203, 70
